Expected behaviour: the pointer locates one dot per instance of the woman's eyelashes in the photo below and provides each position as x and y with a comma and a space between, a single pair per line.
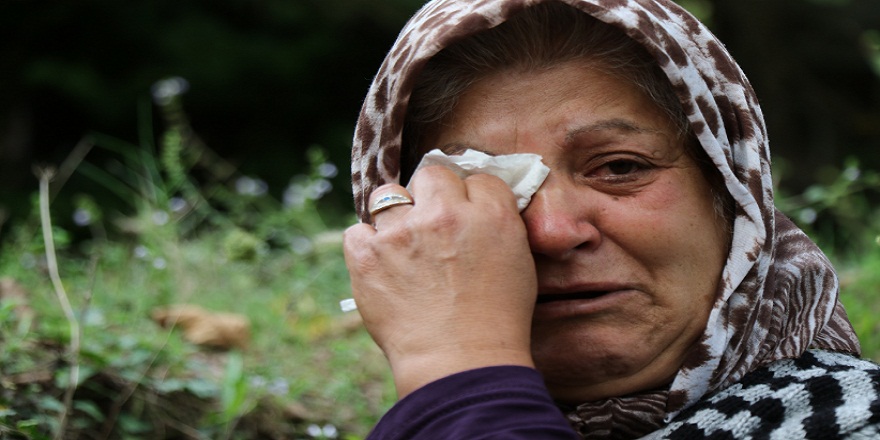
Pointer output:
617, 169
620, 168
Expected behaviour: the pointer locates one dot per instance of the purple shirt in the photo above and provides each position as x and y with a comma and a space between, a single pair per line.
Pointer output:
504, 402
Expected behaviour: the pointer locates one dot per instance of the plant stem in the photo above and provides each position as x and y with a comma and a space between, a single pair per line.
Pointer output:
45, 175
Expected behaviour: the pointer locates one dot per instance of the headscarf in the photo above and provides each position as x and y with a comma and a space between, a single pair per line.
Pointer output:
778, 292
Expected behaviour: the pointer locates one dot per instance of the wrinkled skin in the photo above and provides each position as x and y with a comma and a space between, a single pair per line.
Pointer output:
621, 246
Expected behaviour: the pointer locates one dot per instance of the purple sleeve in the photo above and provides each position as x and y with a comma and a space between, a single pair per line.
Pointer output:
508, 402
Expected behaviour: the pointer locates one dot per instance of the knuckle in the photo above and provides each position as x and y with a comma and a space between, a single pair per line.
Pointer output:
366, 263
434, 172
444, 220
361, 261
354, 234
354, 243
440, 221
399, 235
495, 185
486, 179
434, 169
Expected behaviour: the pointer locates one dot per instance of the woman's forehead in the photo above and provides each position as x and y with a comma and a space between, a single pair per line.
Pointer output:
567, 100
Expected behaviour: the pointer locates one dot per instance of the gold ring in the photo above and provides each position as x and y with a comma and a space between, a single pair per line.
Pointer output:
388, 201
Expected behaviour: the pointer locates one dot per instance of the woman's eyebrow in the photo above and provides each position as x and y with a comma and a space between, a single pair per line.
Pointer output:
616, 124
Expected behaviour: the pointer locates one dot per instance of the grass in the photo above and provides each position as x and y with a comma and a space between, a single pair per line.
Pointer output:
220, 242
860, 294
303, 350
841, 213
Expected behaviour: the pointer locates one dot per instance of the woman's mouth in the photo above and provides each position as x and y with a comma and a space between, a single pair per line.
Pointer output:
580, 303
551, 297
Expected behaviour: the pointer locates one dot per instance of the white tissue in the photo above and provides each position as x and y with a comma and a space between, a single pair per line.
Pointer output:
524, 172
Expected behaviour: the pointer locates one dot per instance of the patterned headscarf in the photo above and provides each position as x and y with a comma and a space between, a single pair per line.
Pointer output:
778, 291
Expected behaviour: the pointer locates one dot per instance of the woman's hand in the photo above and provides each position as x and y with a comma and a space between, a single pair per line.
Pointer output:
447, 284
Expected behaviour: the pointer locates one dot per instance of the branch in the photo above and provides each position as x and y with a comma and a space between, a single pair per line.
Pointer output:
45, 175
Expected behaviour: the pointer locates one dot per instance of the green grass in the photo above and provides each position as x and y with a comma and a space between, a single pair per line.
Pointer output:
860, 294
308, 371
303, 349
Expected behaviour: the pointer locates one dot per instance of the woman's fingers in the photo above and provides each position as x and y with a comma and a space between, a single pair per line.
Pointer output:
486, 189
438, 182
441, 183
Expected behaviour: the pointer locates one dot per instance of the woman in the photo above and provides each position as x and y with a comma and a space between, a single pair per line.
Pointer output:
649, 289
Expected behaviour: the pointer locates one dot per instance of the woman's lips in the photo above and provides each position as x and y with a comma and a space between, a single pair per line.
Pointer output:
550, 297
588, 302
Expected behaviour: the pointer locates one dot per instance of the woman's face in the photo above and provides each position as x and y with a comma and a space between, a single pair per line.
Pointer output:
626, 241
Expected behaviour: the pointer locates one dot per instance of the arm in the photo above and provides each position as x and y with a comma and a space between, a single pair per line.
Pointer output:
504, 402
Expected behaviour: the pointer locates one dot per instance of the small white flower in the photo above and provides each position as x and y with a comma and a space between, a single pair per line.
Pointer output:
808, 215
166, 90
314, 430
329, 431
278, 387
852, 173
318, 189
82, 217
258, 381
294, 196
177, 204
160, 218
28, 260
250, 187
93, 317
301, 245
141, 251
327, 170
160, 263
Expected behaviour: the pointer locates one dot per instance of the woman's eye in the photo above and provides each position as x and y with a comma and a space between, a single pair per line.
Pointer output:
621, 174
622, 167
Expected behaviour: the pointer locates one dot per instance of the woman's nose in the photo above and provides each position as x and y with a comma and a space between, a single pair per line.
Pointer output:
559, 222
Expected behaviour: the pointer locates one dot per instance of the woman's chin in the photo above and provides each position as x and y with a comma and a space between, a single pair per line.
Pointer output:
585, 366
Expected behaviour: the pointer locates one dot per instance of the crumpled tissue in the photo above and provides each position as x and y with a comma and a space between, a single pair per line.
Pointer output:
523, 172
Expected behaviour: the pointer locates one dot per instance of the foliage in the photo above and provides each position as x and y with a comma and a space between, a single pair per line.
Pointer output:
268, 78
187, 228
860, 278
810, 64
841, 213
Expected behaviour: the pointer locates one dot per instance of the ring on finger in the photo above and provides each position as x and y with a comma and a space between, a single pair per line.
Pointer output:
388, 201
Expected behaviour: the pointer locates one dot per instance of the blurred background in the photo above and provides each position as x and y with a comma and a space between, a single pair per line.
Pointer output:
199, 152
268, 79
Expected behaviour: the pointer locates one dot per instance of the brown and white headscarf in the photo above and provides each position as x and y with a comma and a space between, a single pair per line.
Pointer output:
779, 292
